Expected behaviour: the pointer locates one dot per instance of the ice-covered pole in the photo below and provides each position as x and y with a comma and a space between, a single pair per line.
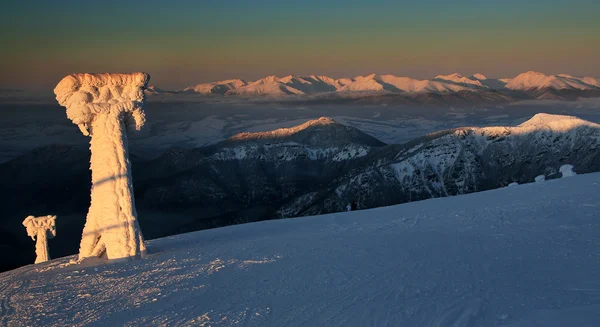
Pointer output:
105, 106
40, 229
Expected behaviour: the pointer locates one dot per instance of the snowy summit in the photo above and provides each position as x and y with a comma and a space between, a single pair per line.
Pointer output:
283, 132
535, 81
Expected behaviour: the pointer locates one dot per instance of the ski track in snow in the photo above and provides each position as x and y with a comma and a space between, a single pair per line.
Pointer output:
521, 256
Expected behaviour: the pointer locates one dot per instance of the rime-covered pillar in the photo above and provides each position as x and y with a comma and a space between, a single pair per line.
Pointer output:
40, 229
105, 106
41, 247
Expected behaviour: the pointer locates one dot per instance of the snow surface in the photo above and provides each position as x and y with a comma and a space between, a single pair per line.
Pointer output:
522, 256
567, 171
551, 122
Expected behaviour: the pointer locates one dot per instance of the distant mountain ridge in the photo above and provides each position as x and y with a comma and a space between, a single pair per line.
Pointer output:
528, 85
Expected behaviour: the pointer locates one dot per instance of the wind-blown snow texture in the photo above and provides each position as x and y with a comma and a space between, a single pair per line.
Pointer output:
103, 105
520, 256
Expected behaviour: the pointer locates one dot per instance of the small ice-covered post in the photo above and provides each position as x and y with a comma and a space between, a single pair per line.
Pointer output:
567, 171
40, 229
105, 106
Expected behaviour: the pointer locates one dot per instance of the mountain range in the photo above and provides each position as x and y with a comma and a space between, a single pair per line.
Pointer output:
313, 168
528, 85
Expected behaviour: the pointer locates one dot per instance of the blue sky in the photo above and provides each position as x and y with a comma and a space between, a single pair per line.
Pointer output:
186, 42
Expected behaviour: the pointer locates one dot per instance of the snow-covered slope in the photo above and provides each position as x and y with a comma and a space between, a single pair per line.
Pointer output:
591, 81
520, 256
391, 83
462, 80
536, 81
273, 86
268, 86
220, 87
318, 139
283, 132
465, 160
367, 83
491, 83
326, 84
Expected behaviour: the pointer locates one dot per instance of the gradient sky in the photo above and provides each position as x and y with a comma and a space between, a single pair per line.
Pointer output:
188, 42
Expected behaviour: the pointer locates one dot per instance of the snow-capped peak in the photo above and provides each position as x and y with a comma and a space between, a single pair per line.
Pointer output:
291, 78
283, 132
533, 80
366, 83
218, 87
556, 122
528, 80
591, 81
265, 80
542, 122
459, 79
450, 77
478, 77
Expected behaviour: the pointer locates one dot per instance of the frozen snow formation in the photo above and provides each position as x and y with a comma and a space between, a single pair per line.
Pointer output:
567, 170
40, 229
540, 178
105, 106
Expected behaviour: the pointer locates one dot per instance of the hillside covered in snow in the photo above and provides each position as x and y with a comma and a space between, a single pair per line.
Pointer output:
314, 168
519, 256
